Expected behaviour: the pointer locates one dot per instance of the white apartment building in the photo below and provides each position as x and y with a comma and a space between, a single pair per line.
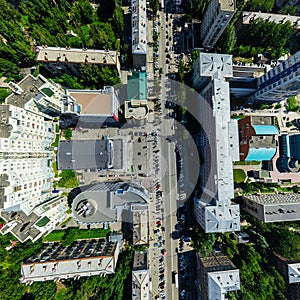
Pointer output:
281, 82
139, 32
26, 134
22, 130
40, 221
217, 16
25, 183
216, 275
217, 144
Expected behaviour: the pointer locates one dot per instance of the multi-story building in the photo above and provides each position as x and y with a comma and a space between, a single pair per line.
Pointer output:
244, 80
86, 155
290, 270
82, 258
216, 275
140, 277
281, 82
217, 143
217, 16
25, 182
96, 107
139, 33
249, 17
26, 134
108, 202
273, 207
140, 219
257, 138
68, 60
41, 220
289, 153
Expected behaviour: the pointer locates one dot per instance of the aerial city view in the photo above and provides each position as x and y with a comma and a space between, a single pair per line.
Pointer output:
150, 149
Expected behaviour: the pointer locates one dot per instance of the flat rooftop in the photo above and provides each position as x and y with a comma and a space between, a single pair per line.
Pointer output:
274, 198
84, 154
79, 56
24, 91
276, 18
140, 261
93, 102
217, 262
105, 201
227, 4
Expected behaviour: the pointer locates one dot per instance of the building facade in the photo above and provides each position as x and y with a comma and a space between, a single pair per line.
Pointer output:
216, 275
216, 18
82, 258
68, 60
270, 208
217, 146
140, 277
27, 130
281, 82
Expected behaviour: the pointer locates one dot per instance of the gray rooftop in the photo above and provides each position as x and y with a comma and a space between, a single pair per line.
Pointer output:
26, 90
215, 65
23, 228
140, 261
84, 154
105, 201
274, 198
5, 128
82, 258
80, 56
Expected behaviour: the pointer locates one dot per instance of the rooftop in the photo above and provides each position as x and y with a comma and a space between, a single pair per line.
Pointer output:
215, 65
72, 55
95, 102
265, 129
139, 30
259, 154
276, 18
136, 109
275, 198
227, 4
105, 201
84, 154
140, 261
217, 262
82, 258
26, 90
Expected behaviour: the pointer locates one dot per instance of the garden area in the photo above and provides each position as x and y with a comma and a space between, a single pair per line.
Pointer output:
116, 286
292, 104
68, 179
239, 175
68, 236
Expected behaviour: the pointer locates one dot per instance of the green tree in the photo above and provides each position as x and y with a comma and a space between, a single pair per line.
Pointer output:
227, 41
258, 5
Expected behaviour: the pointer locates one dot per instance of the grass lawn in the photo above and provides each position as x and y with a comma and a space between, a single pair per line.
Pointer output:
244, 163
54, 167
239, 175
55, 143
292, 104
55, 235
67, 237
